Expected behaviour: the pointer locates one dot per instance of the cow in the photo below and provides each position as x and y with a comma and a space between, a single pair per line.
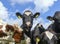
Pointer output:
36, 34
49, 37
27, 19
10, 33
55, 26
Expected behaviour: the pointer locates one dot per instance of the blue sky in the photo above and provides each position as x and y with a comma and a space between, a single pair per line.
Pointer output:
8, 8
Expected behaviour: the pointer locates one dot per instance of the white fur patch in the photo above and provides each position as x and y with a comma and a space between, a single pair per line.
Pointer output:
4, 28
27, 13
49, 34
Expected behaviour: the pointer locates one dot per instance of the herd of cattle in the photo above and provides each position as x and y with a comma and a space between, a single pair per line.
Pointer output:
14, 34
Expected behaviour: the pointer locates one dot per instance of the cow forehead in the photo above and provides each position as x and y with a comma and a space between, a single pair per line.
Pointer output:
27, 13
49, 35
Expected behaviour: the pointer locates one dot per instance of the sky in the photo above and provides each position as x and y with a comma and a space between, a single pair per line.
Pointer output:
8, 9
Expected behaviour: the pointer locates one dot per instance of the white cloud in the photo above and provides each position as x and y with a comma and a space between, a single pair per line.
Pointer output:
3, 11
43, 5
40, 5
13, 2
5, 15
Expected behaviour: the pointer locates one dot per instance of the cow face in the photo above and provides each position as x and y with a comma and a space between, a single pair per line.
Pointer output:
27, 18
56, 19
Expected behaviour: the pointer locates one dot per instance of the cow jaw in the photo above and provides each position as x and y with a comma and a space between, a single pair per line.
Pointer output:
49, 35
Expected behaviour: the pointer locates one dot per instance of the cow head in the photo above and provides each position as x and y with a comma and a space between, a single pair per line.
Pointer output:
56, 19
27, 17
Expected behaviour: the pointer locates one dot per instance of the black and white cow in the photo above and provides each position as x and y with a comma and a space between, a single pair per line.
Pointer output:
36, 33
56, 25
27, 18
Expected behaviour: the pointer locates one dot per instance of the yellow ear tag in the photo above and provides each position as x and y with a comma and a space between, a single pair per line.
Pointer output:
19, 17
37, 39
36, 15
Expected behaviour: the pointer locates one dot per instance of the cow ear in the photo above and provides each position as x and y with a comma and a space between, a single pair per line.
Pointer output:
50, 18
36, 15
18, 15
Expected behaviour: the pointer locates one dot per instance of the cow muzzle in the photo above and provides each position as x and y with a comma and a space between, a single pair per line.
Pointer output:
28, 23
